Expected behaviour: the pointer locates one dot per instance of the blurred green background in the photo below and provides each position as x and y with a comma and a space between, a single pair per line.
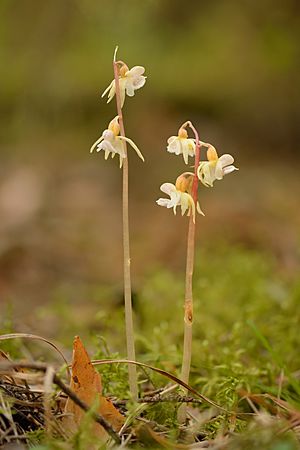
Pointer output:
232, 67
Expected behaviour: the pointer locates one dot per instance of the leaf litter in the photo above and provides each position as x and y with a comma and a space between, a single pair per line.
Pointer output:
36, 406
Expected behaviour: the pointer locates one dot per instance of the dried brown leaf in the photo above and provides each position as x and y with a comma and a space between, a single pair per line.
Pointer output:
87, 385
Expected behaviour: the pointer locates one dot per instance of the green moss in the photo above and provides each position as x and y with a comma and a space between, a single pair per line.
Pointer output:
245, 339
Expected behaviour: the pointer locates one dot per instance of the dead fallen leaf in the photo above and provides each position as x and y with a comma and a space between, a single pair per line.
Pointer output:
87, 385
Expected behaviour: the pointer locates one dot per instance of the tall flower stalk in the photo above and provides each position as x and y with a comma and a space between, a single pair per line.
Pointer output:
126, 246
113, 141
185, 194
190, 257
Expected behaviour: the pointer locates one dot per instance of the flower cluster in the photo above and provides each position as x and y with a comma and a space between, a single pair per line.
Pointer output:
111, 142
208, 171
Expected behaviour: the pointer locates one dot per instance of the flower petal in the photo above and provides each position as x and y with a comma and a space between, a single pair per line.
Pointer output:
174, 146
206, 173
191, 147
199, 210
191, 204
122, 86
171, 139
229, 169
105, 145
168, 188
119, 146
112, 91
108, 135
174, 198
184, 150
133, 145
219, 170
95, 144
108, 88
226, 160
163, 202
135, 71
129, 88
139, 82
184, 203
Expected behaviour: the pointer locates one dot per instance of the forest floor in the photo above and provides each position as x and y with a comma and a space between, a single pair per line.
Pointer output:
61, 276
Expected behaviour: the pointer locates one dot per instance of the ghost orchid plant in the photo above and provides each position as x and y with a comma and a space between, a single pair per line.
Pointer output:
113, 141
185, 194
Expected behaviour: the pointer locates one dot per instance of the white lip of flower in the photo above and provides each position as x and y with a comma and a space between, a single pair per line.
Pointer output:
112, 142
215, 168
178, 198
129, 81
181, 144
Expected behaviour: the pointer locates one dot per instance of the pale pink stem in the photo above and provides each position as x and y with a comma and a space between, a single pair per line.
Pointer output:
126, 251
188, 302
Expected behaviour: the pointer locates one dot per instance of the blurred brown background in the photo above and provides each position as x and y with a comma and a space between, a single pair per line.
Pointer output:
230, 66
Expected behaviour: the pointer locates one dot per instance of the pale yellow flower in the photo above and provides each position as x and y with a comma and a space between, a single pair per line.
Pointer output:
129, 82
112, 143
179, 196
182, 144
215, 168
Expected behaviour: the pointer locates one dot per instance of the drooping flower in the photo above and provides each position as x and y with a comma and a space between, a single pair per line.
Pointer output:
215, 168
182, 144
129, 81
180, 195
112, 142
